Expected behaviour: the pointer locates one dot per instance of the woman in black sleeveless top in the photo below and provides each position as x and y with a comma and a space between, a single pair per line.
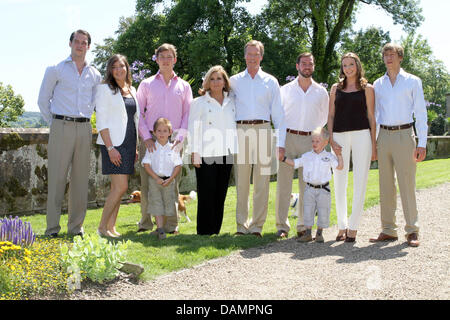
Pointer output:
351, 123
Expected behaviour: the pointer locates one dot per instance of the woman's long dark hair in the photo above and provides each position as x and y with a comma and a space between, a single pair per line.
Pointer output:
109, 78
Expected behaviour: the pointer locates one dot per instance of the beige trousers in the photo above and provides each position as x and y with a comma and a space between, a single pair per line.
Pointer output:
396, 156
295, 146
255, 155
69, 145
170, 222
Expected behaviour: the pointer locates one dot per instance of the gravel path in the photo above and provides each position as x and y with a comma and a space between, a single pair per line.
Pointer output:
289, 270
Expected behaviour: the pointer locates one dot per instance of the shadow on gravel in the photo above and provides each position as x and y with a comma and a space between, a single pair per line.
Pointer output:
344, 252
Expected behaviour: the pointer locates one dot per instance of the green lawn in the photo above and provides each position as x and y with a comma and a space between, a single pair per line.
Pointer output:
188, 249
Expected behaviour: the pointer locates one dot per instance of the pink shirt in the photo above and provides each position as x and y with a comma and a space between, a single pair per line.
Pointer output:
157, 100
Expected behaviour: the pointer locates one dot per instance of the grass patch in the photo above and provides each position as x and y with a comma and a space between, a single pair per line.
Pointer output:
188, 249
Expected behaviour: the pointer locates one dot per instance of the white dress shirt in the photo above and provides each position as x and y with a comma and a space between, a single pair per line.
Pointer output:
163, 160
259, 98
212, 127
65, 92
304, 111
316, 166
395, 105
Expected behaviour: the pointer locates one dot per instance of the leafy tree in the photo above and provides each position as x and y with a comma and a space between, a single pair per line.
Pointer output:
205, 32
367, 44
11, 105
327, 21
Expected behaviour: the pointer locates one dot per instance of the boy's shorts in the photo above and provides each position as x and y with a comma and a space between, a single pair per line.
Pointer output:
316, 200
161, 200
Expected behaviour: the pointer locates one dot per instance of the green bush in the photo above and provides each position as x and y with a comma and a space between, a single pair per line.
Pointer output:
93, 257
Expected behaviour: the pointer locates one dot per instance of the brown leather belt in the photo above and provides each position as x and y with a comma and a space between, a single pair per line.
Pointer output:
251, 121
302, 133
400, 127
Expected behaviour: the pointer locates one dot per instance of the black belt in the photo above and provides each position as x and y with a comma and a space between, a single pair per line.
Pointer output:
319, 186
400, 127
164, 178
65, 118
251, 121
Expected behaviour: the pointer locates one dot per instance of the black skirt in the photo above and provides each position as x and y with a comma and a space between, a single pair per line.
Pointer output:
127, 149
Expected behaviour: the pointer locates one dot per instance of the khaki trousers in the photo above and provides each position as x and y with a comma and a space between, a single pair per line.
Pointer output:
170, 222
255, 143
69, 145
295, 146
396, 156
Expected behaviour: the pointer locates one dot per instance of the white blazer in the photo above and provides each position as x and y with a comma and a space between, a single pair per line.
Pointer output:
111, 114
212, 127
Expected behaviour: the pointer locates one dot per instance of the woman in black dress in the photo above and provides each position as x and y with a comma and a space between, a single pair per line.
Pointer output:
117, 121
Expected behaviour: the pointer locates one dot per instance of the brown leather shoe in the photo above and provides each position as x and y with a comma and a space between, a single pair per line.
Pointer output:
257, 234
239, 234
413, 240
342, 236
142, 230
383, 237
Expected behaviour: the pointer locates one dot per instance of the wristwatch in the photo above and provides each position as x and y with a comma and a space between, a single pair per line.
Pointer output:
284, 159
110, 148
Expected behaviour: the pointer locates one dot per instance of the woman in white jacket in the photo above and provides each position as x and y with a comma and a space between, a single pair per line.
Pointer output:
212, 130
117, 121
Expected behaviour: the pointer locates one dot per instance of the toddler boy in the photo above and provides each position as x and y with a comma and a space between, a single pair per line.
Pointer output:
317, 166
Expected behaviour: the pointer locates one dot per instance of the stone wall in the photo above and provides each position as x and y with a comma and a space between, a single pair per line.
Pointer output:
23, 171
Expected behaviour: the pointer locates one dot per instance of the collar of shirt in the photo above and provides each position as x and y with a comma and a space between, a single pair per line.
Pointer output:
168, 145
158, 75
402, 73
258, 74
225, 98
86, 63
314, 85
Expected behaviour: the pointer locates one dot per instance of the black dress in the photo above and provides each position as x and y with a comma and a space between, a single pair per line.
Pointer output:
127, 149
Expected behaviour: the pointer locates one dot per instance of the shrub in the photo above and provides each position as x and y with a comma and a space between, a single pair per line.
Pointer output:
93, 257
25, 272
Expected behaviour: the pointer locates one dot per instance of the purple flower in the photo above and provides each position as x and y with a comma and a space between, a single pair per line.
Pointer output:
154, 57
16, 231
136, 73
324, 84
290, 78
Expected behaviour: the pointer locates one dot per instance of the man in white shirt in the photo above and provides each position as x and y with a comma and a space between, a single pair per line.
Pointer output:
305, 104
399, 95
66, 102
258, 100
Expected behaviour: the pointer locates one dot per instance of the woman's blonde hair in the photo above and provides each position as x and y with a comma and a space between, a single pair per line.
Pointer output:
206, 86
361, 82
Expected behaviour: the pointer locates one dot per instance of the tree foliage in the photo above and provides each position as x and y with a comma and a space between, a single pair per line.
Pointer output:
211, 32
325, 23
11, 105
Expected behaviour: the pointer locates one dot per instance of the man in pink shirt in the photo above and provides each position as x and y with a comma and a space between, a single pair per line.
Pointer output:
164, 95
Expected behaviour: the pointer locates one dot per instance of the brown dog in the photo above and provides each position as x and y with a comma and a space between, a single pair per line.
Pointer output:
135, 197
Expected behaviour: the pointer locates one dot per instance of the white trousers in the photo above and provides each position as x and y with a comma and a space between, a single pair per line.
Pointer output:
359, 144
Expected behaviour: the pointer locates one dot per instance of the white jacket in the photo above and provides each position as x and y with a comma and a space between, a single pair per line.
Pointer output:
111, 114
212, 127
